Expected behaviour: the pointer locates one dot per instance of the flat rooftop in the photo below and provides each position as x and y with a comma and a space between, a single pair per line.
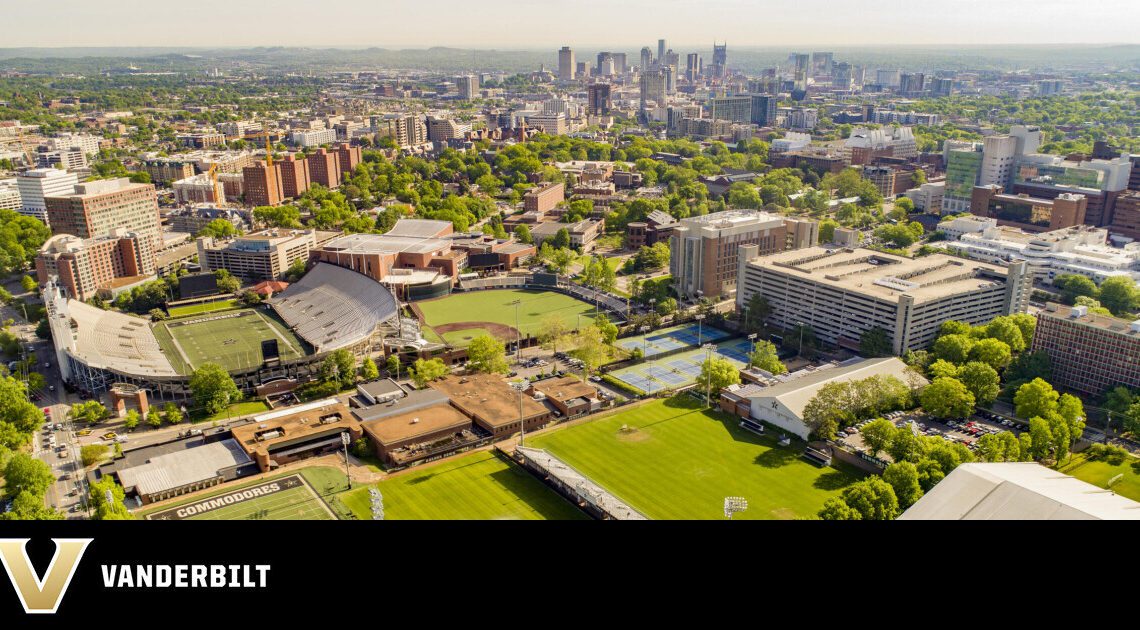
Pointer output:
1103, 322
416, 423
488, 398
290, 424
565, 388
884, 276
420, 228
385, 244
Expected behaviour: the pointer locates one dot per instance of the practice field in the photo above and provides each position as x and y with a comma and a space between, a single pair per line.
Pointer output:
677, 461
231, 339
286, 498
1099, 473
479, 486
203, 307
460, 317
680, 370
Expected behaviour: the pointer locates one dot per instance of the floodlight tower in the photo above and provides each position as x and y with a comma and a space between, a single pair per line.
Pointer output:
377, 501
709, 347
344, 440
751, 338
700, 320
521, 386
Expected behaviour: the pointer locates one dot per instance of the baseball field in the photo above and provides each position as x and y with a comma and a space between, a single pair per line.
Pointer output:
460, 317
479, 486
671, 459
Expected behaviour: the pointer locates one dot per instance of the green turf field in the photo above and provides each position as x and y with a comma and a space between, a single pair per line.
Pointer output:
294, 504
493, 306
1099, 472
678, 461
233, 340
204, 307
479, 486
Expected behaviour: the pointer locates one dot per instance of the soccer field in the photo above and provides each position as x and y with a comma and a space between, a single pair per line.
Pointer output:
231, 339
1098, 473
479, 486
286, 498
460, 314
677, 461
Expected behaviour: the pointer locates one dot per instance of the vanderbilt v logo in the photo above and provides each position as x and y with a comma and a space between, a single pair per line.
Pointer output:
42, 596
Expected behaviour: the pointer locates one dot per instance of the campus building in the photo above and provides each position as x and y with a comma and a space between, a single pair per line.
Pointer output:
1031, 214
263, 255
1089, 353
704, 249
97, 208
287, 435
544, 198
843, 292
85, 266
37, 184
413, 257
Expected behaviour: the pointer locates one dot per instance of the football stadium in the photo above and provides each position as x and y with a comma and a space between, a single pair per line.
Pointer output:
328, 309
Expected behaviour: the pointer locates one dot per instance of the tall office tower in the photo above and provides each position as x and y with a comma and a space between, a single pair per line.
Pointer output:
799, 63
887, 78
998, 156
262, 184
764, 110
941, 87
841, 75
609, 68
599, 102
1028, 138
620, 63
583, 70
653, 88
911, 83
661, 51
646, 58
821, 62
605, 60
670, 73
692, 66
672, 59
468, 86
566, 64
963, 163
720, 59
96, 208
734, 108
858, 75
39, 183
1048, 87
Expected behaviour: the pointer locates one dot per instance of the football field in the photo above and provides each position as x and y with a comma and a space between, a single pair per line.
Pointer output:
671, 459
287, 498
231, 339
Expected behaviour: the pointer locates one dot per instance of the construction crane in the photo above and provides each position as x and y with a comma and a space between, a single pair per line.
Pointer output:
219, 193
265, 133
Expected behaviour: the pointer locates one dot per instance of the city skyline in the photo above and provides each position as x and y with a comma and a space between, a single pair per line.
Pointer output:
777, 23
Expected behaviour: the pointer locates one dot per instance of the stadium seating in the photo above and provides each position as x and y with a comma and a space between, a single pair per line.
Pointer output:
125, 344
332, 307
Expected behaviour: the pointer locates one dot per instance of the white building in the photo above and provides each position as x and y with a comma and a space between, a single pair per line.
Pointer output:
899, 139
792, 141
9, 195
1080, 250
38, 183
998, 156
313, 138
88, 144
783, 404
928, 197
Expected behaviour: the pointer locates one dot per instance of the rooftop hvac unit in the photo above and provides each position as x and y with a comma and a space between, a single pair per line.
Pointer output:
1135, 327
1079, 311
415, 420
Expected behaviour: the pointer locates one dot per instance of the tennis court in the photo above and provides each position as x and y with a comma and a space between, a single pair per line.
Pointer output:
680, 370
670, 339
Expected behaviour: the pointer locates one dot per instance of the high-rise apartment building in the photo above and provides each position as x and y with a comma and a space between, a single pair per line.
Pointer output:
692, 67
97, 208
38, 184
349, 158
653, 88
294, 176
912, 83
999, 154
1088, 353
764, 109
566, 64
733, 108
83, 266
324, 168
704, 249
821, 62
261, 184
468, 86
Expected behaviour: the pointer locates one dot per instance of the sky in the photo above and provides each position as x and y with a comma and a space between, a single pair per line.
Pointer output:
543, 24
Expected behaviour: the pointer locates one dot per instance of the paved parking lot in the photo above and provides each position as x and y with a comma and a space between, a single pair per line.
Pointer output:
964, 431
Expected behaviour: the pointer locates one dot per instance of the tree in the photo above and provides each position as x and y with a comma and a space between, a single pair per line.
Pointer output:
361, 448
368, 370
903, 479
392, 365
875, 342
153, 418
872, 499
131, 420
758, 311
589, 348
172, 412
1027, 324
767, 358
608, 329
91, 454
1035, 398
716, 374
278, 216
425, 371
90, 411
836, 509
1120, 295
1028, 366
877, 435
1072, 286
522, 233
227, 283
212, 388
942, 368
954, 348
992, 352
1041, 436
20, 240
487, 354
667, 306
982, 381
114, 510
339, 367
296, 270
597, 274
552, 331
29, 284
218, 228
30, 507
561, 239
947, 398
24, 473
36, 382
1072, 411
1003, 329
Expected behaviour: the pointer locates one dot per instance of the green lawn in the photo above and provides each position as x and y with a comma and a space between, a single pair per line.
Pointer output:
203, 307
464, 337
294, 504
233, 342
678, 461
479, 486
237, 409
493, 306
1099, 472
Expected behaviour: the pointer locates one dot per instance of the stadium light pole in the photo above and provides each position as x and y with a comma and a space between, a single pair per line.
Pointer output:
752, 338
344, 440
732, 505
700, 321
709, 347
800, 352
377, 501
518, 333
644, 330
521, 386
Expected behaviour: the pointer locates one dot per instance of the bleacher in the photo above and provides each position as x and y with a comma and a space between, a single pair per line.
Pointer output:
749, 424
110, 340
332, 307
817, 456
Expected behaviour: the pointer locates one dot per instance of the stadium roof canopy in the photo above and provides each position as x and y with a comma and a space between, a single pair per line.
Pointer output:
332, 307
1018, 491
110, 340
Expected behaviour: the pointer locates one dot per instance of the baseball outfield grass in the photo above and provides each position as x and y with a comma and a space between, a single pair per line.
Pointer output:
479, 486
674, 460
493, 306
